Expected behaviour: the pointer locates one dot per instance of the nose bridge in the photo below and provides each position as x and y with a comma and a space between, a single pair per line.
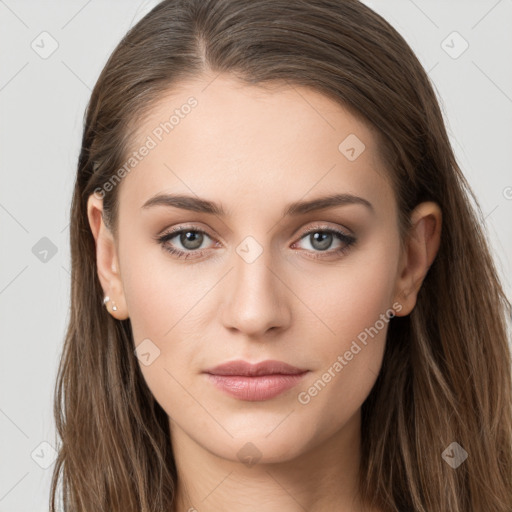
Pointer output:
256, 299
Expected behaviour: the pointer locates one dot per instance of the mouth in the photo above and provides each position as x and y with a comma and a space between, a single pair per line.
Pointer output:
255, 382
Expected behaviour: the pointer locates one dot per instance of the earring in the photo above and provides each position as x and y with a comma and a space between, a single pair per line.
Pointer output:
107, 299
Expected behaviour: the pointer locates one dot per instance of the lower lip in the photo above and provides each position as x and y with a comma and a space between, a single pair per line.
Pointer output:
252, 389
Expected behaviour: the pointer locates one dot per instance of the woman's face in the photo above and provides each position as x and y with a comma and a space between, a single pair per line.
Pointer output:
256, 282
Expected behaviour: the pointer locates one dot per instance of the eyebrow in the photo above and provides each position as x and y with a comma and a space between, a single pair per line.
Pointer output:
197, 204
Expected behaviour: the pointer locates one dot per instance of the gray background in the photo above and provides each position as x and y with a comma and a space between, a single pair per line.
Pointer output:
42, 101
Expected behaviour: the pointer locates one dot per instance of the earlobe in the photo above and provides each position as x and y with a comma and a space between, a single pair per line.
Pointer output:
106, 260
422, 245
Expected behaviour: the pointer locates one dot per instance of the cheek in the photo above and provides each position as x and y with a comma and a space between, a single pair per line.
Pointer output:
159, 320
355, 305
164, 304
160, 294
352, 296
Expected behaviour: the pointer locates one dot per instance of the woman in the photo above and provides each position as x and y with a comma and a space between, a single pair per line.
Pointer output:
282, 298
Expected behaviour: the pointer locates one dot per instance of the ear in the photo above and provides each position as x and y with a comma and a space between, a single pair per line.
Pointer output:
106, 259
420, 250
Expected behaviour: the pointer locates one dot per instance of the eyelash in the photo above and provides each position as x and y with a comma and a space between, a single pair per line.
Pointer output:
343, 237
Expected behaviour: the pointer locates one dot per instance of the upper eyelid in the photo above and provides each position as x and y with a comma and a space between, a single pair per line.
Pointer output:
180, 230
345, 231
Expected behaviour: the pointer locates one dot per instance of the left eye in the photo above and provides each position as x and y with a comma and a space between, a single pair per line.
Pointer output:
322, 239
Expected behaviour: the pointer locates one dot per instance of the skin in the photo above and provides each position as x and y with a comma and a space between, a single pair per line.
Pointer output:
254, 151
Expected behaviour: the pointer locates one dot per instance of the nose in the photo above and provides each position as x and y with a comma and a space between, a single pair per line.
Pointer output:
257, 298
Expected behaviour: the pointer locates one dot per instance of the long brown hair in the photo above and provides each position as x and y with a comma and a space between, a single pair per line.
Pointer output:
446, 374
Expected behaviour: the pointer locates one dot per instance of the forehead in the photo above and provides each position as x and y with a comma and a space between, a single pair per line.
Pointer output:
220, 137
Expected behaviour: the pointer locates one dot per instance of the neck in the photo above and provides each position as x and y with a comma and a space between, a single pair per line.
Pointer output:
322, 478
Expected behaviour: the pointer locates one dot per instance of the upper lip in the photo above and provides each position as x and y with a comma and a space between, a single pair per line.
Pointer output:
269, 367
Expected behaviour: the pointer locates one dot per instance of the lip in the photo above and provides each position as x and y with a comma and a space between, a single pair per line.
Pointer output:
268, 367
255, 382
